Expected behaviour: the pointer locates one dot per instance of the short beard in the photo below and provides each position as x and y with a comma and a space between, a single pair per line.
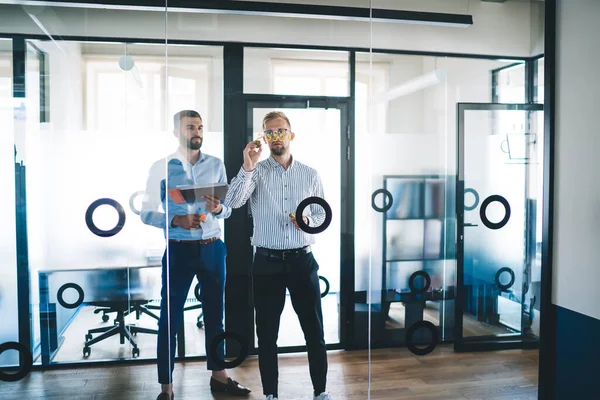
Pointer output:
278, 151
192, 145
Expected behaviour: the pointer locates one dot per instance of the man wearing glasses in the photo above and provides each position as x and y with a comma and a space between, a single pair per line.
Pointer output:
283, 258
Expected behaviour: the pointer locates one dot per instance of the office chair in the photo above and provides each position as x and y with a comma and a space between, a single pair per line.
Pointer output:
119, 328
145, 309
123, 309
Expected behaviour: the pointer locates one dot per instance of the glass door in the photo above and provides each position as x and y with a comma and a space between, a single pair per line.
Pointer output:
321, 142
499, 225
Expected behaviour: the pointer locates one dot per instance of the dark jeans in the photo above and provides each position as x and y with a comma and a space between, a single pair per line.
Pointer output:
186, 260
271, 278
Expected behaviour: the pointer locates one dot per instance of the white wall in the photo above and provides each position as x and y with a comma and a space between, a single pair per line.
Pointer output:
499, 28
577, 182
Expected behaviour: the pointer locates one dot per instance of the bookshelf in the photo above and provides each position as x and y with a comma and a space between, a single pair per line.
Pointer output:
419, 235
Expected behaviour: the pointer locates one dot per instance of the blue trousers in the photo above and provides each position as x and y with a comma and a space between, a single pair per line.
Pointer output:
186, 260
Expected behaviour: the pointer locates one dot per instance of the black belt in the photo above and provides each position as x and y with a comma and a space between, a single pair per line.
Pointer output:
283, 254
202, 241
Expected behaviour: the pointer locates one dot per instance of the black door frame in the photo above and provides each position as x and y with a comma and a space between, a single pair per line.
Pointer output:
345, 105
482, 343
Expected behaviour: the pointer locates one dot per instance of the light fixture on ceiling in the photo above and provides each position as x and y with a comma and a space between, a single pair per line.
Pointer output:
127, 64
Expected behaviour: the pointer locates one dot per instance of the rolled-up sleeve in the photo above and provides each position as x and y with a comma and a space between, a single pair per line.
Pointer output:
155, 188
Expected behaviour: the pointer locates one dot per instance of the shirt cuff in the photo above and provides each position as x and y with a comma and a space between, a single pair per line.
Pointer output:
222, 213
246, 174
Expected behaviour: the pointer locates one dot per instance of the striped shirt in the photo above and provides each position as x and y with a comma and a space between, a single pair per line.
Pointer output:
274, 193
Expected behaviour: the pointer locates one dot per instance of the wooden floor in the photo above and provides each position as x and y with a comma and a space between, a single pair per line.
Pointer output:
74, 338
395, 374
71, 350
471, 327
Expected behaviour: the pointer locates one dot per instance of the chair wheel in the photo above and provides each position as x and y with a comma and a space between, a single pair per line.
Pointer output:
135, 352
87, 351
88, 337
104, 318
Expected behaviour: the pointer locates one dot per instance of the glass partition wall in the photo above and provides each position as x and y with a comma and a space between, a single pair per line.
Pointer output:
9, 332
407, 138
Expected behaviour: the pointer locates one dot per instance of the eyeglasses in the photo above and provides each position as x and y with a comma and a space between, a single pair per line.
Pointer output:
274, 136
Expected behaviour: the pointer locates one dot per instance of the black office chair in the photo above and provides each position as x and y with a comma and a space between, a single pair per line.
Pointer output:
140, 309
119, 328
123, 309
145, 308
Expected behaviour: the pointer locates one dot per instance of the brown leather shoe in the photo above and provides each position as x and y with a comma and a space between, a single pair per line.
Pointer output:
232, 387
165, 396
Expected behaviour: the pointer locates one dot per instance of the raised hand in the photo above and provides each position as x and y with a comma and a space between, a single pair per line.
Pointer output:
252, 153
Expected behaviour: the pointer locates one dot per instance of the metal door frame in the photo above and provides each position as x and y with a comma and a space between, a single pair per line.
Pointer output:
482, 343
346, 309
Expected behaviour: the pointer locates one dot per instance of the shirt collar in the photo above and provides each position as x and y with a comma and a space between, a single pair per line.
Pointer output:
181, 157
275, 164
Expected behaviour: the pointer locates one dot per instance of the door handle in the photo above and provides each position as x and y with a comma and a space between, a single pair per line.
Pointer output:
471, 225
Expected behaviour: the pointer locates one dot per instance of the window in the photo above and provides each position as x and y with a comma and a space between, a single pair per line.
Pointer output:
116, 98
509, 84
308, 77
296, 72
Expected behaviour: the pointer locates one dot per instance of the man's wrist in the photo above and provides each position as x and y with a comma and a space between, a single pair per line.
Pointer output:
220, 210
